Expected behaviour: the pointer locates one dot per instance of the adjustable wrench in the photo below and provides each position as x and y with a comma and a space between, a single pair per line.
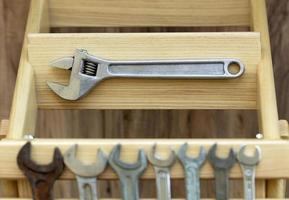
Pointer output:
192, 167
248, 165
41, 177
88, 71
86, 175
128, 173
162, 170
222, 167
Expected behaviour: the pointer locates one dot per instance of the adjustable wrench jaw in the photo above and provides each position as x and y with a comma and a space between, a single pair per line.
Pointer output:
84, 74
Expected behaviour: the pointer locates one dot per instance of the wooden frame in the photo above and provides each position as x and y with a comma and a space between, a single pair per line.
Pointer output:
30, 93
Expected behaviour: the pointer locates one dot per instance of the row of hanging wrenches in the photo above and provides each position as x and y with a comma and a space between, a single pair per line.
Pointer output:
88, 70
42, 177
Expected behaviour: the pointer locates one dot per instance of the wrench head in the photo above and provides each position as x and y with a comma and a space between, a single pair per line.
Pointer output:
80, 169
80, 83
29, 167
221, 163
184, 158
157, 161
120, 167
249, 160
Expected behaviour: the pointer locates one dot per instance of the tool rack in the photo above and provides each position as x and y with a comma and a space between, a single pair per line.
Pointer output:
255, 90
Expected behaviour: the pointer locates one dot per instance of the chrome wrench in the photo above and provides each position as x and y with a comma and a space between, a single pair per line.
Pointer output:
248, 165
162, 171
128, 173
88, 70
191, 167
86, 175
222, 167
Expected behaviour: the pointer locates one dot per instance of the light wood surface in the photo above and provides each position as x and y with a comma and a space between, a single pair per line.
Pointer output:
268, 114
272, 152
150, 94
24, 109
135, 13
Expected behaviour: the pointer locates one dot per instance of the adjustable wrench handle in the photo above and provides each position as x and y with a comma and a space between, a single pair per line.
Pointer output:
182, 69
129, 187
163, 183
192, 182
222, 184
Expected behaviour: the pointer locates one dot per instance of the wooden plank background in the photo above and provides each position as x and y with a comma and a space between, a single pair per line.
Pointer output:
137, 123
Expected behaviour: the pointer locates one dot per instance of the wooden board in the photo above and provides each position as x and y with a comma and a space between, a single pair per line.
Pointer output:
272, 152
127, 13
143, 93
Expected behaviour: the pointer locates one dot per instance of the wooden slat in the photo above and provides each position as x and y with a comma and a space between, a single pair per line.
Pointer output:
268, 113
24, 108
143, 93
272, 152
128, 13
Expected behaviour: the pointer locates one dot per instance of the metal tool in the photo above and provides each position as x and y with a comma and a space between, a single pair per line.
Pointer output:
128, 173
222, 167
41, 177
192, 167
86, 175
88, 71
162, 170
248, 164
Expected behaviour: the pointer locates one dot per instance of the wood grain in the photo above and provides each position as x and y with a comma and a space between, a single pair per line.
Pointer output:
42, 149
141, 13
121, 93
139, 123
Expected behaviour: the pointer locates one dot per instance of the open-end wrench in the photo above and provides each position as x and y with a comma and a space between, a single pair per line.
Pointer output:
192, 167
248, 164
86, 175
162, 171
222, 167
128, 173
41, 177
88, 71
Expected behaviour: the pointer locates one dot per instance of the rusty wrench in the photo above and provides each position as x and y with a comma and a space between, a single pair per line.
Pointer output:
86, 175
128, 173
162, 171
41, 177
222, 167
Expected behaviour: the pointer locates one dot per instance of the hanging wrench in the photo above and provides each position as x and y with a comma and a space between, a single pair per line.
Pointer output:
222, 167
41, 177
162, 170
248, 165
88, 71
128, 173
86, 175
192, 167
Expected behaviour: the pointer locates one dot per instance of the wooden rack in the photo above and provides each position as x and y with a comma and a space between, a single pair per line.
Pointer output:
255, 90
